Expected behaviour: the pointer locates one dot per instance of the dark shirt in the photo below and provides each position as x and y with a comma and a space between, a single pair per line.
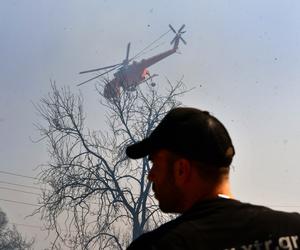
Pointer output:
225, 224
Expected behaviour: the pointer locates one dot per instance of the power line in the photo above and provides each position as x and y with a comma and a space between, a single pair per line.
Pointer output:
31, 177
19, 185
20, 202
138, 54
21, 191
30, 204
24, 176
17, 190
25, 225
38, 227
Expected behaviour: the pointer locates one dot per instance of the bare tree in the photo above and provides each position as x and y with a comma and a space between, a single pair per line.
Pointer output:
95, 197
10, 238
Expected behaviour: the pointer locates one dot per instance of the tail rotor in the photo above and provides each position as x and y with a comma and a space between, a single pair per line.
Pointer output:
178, 34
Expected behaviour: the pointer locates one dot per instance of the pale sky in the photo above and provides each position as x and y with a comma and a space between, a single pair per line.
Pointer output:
242, 57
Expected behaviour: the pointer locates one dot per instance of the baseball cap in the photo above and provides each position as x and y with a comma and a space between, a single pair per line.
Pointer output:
191, 133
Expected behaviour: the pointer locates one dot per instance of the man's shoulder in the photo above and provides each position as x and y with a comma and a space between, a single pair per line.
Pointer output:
260, 213
220, 219
267, 212
260, 221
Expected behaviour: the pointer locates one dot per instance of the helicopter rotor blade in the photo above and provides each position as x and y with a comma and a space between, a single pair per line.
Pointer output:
182, 40
87, 80
93, 70
98, 75
181, 28
127, 53
178, 34
171, 27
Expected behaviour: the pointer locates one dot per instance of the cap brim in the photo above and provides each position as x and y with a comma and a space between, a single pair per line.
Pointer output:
139, 149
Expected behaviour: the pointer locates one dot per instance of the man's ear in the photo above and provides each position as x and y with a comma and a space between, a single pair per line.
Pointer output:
182, 171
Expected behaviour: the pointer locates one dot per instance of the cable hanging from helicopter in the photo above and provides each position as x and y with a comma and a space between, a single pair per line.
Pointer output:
129, 76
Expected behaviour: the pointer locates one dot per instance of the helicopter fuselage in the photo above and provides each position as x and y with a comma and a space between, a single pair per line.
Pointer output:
131, 76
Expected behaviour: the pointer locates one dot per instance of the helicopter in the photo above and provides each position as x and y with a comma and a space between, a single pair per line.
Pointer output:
129, 74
